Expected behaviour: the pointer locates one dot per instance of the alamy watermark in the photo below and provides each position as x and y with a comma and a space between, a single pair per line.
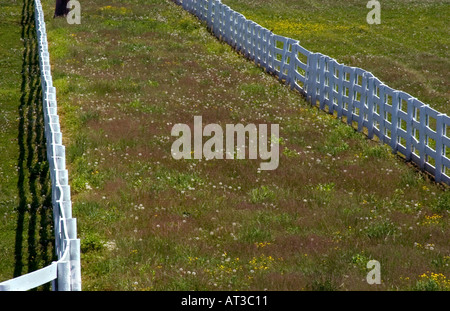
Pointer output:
374, 16
374, 275
74, 15
220, 147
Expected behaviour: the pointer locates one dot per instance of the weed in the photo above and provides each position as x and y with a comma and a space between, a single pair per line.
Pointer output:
87, 116
290, 153
78, 148
153, 83
252, 89
411, 178
261, 195
442, 203
360, 261
91, 242
337, 141
432, 282
323, 285
378, 152
254, 234
380, 229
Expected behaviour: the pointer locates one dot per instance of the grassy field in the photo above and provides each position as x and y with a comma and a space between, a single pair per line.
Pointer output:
408, 50
133, 69
25, 199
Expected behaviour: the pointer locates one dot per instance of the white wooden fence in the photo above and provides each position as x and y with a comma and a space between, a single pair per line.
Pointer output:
412, 129
65, 273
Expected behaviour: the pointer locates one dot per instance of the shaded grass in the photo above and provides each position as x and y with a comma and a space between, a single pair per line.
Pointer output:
10, 92
26, 245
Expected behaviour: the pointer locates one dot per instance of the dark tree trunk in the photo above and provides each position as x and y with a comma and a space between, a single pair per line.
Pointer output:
61, 8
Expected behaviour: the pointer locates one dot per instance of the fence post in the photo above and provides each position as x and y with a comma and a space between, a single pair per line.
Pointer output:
370, 100
270, 53
351, 96
363, 100
63, 276
394, 122
75, 266
238, 31
209, 18
439, 145
321, 86
409, 129
331, 85
292, 63
254, 44
340, 84
422, 143
217, 18
257, 43
311, 78
226, 24
382, 116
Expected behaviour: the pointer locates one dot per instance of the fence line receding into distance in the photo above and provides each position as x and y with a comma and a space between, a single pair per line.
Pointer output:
410, 127
65, 273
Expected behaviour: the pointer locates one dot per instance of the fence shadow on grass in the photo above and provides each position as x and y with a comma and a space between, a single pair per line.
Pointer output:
34, 220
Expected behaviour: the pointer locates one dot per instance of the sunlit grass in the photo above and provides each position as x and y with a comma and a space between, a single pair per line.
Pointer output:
407, 51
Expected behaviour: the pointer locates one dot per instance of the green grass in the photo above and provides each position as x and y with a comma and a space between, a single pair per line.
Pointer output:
131, 71
407, 51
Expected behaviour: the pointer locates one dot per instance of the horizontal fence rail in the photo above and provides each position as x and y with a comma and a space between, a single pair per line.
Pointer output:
410, 127
65, 273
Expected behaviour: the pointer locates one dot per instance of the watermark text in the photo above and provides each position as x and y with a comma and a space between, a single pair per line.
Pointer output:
220, 147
